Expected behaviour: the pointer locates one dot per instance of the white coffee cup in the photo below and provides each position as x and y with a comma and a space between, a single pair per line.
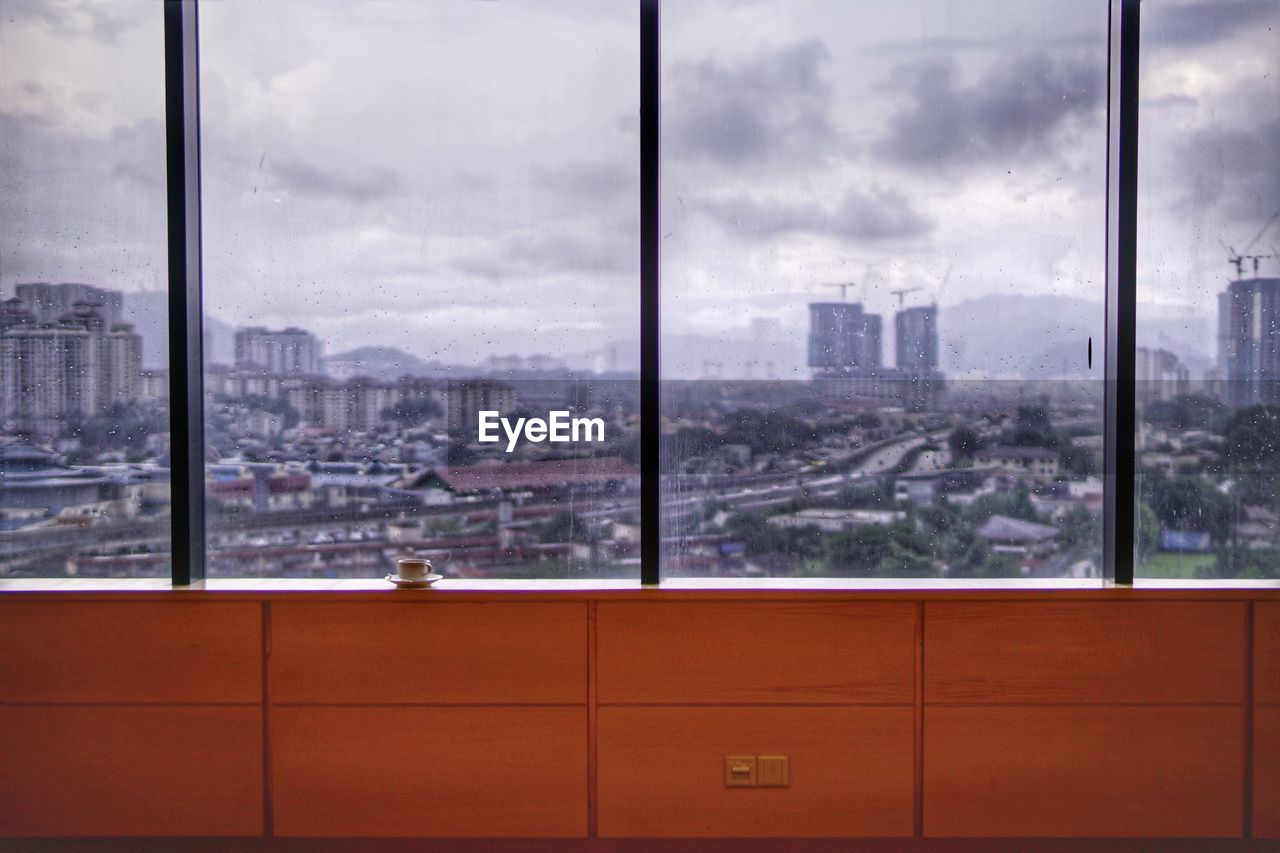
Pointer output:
413, 568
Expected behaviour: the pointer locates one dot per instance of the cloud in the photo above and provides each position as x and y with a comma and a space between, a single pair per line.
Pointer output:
1234, 168
101, 21
878, 215
1014, 111
532, 255
1203, 21
81, 207
598, 179
775, 106
303, 179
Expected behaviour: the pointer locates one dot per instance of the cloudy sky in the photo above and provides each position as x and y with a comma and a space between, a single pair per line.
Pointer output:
459, 178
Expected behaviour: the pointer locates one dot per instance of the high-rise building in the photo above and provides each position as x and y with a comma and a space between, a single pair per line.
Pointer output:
468, 398
1160, 375
51, 302
842, 337
916, 338
357, 404
844, 354
282, 352
79, 365
1249, 340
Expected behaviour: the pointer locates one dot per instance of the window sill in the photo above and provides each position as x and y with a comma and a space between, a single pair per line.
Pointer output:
669, 590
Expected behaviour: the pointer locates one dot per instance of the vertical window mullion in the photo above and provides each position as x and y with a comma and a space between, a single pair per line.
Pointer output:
1122, 232
186, 345
650, 246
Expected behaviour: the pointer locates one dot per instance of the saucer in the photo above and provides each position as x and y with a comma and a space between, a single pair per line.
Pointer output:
405, 583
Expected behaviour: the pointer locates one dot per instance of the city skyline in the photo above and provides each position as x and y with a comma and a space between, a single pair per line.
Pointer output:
289, 194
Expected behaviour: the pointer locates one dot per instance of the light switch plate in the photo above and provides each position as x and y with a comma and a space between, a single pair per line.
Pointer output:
774, 771
739, 771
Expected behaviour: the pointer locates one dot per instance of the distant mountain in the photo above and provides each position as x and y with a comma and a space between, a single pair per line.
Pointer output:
374, 361
734, 356
1018, 336
148, 311
379, 362
1046, 336
1013, 336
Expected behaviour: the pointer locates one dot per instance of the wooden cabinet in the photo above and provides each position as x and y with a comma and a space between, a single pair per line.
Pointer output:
1266, 720
756, 653
661, 771
429, 771
1084, 718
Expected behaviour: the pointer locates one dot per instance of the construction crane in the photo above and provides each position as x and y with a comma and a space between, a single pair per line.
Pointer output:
901, 293
844, 289
1237, 260
845, 285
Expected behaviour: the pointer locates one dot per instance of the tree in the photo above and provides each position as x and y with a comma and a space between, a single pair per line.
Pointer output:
999, 566
1032, 428
757, 534
1078, 528
122, 427
858, 551
1148, 530
1015, 505
964, 442
767, 432
686, 443
457, 453
1240, 561
1251, 440
564, 527
1189, 411
1076, 461
760, 537
903, 562
1187, 503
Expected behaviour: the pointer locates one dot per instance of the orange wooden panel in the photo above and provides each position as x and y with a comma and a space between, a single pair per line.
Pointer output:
367, 654
1159, 771
198, 652
1266, 771
1266, 652
661, 771
130, 770
745, 652
429, 771
1087, 652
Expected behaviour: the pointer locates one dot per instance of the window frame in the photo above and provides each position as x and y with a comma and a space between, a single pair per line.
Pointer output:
186, 363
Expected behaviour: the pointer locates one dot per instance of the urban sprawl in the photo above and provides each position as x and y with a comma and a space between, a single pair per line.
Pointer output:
335, 466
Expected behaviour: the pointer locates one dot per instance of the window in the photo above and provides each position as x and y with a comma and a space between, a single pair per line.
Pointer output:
883, 261
896, 255
1208, 358
401, 236
84, 479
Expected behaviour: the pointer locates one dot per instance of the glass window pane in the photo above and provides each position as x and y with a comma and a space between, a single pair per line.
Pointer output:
84, 467
417, 213
883, 263
1208, 362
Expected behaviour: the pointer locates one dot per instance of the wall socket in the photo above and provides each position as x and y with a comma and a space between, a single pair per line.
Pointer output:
740, 771
757, 771
773, 771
